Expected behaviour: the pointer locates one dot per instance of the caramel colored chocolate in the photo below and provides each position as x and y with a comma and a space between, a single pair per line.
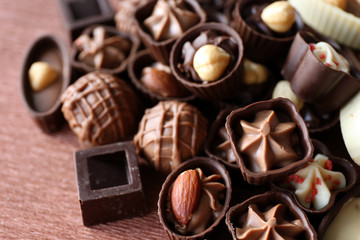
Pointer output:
100, 109
109, 183
124, 18
286, 112
44, 106
304, 71
170, 133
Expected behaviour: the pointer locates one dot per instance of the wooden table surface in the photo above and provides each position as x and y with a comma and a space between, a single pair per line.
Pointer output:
39, 198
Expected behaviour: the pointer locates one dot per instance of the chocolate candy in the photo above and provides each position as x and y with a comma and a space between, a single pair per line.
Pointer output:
109, 183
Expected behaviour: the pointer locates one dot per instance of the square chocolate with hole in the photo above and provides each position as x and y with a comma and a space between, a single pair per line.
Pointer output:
80, 14
109, 183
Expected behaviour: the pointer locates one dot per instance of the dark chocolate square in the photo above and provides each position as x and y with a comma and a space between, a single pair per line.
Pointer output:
79, 14
109, 183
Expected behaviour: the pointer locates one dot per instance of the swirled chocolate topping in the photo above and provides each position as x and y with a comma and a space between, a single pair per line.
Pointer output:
227, 43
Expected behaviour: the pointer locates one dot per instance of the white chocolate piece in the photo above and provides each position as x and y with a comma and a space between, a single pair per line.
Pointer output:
210, 62
350, 127
41, 75
279, 16
325, 53
346, 224
314, 183
254, 73
283, 89
337, 3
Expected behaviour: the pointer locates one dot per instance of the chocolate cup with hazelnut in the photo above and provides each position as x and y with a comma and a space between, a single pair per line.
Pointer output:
304, 71
273, 47
44, 105
83, 67
228, 82
208, 167
264, 202
330, 217
171, 88
347, 167
286, 112
160, 50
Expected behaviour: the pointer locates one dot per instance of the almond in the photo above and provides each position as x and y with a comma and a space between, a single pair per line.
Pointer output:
185, 196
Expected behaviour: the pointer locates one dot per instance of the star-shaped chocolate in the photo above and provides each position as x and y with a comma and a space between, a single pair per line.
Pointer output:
271, 224
267, 142
100, 51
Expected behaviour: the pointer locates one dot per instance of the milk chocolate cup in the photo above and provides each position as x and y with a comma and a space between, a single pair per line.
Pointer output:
333, 212
110, 32
209, 167
258, 46
226, 86
44, 106
315, 82
269, 199
160, 50
347, 167
144, 59
281, 106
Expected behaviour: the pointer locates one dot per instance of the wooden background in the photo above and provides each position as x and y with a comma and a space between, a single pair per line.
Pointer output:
38, 193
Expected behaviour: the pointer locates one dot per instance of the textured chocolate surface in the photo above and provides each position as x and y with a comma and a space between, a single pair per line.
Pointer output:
264, 202
170, 133
101, 108
44, 106
208, 167
79, 15
286, 111
109, 183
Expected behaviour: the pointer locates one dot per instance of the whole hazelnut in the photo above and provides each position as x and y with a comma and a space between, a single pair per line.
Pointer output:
210, 62
283, 89
279, 16
254, 73
337, 3
41, 75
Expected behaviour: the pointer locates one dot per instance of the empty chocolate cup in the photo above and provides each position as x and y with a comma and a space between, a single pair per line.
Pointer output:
226, 86
264, 202
208, 167
348, 223
286, 112
144, 59
315, 82
110, 32
160, 50
79, 15
44, 105
260, 47
347, 167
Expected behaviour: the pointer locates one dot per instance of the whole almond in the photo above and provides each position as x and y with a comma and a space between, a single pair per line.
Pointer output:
185, 196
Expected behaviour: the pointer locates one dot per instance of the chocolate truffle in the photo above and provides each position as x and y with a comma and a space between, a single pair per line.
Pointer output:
170, 133
124, 17
100, 109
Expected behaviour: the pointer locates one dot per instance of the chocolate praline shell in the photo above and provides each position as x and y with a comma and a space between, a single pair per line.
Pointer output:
160, 50
44, 106
144, 59
221, 88
347, 167
315, 82
286, 108
110, 32
264, 200
208, 166
272, 48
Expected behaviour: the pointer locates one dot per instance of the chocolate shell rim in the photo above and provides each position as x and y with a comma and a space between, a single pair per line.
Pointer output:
212, 166
136, 81
258, 178
284, 198
38, 42
347, 165
135, 44
190, 35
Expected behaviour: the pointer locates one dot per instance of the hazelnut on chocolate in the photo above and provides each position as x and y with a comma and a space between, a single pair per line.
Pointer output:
41, 75
279, 16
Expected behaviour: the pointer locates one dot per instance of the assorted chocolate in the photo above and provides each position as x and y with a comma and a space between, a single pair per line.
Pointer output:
206, 76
